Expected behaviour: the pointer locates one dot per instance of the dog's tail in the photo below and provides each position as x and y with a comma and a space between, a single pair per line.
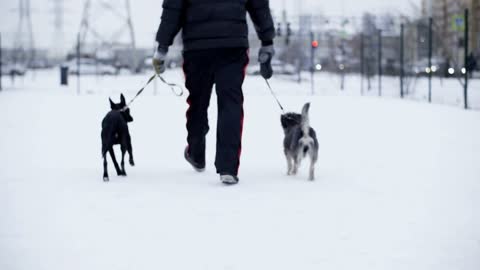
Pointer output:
305, 124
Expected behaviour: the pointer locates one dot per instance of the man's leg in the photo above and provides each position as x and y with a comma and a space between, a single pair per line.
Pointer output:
229, 76
199, 82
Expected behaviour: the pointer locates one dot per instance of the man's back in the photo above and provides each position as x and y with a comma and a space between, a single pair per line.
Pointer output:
211, 24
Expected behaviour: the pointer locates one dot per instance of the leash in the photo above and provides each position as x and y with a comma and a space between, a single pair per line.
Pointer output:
172, 86
275, 96
284, 114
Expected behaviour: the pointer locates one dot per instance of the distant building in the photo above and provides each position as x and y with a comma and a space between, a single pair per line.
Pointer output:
449, 27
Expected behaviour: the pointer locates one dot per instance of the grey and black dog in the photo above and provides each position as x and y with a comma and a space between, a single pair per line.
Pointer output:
115, 131
300, 141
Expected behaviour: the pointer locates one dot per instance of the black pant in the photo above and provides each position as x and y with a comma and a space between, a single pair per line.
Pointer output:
226, 69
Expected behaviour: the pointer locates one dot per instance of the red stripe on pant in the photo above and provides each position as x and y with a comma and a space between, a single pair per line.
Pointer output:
243, 115
189, 102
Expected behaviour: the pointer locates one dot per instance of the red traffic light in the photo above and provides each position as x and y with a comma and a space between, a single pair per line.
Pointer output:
315, 44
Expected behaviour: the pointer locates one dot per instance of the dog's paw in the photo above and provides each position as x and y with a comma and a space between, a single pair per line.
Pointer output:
106, 179
132, 163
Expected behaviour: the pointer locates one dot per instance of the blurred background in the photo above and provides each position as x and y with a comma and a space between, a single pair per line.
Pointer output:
373, 41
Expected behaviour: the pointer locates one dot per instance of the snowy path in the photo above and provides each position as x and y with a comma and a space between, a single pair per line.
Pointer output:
397, 187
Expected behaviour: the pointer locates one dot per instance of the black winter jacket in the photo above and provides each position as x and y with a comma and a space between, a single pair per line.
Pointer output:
209, 24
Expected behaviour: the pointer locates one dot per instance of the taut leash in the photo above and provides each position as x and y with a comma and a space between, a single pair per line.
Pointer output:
141, 91
284, 114
275, 96
171, 85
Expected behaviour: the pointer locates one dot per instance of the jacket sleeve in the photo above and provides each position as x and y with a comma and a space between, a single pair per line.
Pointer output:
171, 23
259, 11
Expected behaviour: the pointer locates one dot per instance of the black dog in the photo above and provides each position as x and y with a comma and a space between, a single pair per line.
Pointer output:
300, 141
115, 131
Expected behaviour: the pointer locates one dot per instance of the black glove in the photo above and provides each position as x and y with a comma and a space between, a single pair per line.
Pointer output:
265, 56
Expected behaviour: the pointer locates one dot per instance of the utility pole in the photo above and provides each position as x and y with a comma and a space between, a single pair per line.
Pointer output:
342, 66
131, 30
430, 52
1, 63
402, 70
380, 71
314, 46
342, 46
465, 90
362, 61
78, 63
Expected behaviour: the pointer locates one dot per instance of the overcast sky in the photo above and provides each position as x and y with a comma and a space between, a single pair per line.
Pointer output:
146, 16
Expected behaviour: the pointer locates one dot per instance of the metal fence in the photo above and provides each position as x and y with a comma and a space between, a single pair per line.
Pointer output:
427, 63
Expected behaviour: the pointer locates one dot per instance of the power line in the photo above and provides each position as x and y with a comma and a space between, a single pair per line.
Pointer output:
24, 44
95, 38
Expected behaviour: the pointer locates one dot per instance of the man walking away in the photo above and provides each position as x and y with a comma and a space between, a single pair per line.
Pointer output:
215, 51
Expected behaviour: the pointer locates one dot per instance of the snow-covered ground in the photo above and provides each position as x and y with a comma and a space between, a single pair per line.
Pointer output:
398, 183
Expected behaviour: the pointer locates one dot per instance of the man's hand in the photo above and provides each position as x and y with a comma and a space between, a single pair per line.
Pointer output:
159, 61
265, 56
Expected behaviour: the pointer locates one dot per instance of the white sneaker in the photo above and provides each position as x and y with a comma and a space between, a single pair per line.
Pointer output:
229, 179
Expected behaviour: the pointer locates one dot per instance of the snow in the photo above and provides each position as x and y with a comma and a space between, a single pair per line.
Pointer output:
397, 183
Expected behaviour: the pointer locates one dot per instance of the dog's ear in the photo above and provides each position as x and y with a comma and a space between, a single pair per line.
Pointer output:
283, 120
122, 100
112, 105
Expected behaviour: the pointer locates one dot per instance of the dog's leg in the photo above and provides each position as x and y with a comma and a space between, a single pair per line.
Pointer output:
313, 161
105, 169
122, 163
114, 160
295, 168
296, 164
311, 176
289, 163
130, 152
